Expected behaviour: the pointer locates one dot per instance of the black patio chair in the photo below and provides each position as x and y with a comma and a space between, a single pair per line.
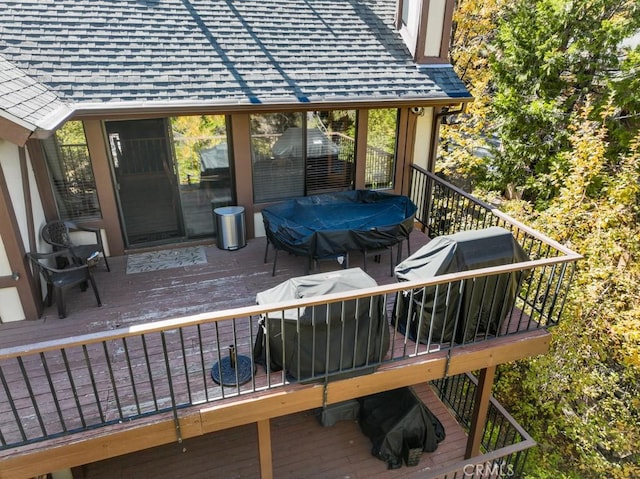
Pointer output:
57, 234
60, 280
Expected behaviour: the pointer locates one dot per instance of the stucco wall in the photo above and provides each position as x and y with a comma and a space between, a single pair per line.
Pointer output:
10, 306
422, 144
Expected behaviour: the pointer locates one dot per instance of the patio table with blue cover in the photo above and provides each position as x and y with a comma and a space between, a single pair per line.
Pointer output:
333, 224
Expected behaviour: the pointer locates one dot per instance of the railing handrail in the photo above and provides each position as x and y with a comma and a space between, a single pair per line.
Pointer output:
515, 445
500, 214
503, 411
261, 310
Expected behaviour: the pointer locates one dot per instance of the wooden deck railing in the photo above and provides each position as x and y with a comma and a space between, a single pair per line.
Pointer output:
504, 442
56, 388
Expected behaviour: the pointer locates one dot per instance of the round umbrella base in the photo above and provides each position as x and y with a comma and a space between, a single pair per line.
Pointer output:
225, 374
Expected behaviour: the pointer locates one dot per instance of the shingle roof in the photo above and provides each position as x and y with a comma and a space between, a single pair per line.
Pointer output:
104, 52
27, 102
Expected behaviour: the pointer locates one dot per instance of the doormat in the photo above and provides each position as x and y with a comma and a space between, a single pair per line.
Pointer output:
165, 259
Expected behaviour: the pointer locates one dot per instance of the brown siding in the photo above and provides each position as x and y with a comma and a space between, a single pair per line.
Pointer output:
406, 138
241, 140
14, 133
361, 147
104, 186
38, 163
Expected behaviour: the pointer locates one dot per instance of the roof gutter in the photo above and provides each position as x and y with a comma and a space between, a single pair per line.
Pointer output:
446, 112
151, 108
19, 131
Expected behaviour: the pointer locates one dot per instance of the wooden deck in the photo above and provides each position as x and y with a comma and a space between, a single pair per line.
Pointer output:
302, 447
229, 279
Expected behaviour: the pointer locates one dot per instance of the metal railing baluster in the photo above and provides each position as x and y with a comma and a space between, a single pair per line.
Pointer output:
203, 367
143, 338
52, 388
113, 380
73, 387
186, 367
12, 405
32, 396
93, 382
131, 376
172, 395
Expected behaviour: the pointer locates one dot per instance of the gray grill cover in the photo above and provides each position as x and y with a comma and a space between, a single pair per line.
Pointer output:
357, 334
447, 313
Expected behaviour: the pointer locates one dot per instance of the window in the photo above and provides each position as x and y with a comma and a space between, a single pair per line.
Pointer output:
284, 168
411, 13
204, 168
405, 12
71, 173
380, 164
277, 173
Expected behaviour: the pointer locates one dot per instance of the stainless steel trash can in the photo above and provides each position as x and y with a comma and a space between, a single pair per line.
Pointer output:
230, 227
218, 203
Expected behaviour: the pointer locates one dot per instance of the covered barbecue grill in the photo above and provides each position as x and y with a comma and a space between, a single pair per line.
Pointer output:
347, 338
399, 426
462, 310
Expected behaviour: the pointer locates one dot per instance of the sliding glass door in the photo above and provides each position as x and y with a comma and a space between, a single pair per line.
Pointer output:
170, 173
203, 160
145, 181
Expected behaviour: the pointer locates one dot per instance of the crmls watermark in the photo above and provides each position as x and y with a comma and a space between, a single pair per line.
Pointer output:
488, 469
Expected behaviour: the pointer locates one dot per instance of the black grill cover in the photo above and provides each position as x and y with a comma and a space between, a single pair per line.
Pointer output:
392, 418
357, 334
484, 302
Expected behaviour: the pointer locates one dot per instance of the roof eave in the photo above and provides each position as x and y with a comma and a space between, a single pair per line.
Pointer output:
18, 130
13, 129
124, 108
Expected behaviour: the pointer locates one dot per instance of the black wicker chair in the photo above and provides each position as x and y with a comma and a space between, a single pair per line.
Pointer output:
57, 234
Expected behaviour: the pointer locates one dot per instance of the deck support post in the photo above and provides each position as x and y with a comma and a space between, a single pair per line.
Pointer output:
264, 446
480, 409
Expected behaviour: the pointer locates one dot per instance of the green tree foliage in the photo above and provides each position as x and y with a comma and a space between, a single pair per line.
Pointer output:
474, 28
192, 134
71, 133
382, 129
563, 97
624, 87
548, 57
582, 400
